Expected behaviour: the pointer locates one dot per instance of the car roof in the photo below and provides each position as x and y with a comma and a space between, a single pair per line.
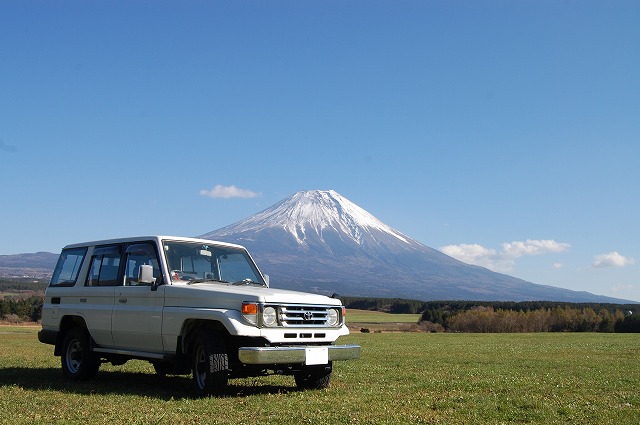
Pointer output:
157, 238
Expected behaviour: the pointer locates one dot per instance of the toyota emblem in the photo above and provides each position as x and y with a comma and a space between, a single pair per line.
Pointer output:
308, 315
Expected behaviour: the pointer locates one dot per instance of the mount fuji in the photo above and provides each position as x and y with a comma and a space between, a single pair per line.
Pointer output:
319, 241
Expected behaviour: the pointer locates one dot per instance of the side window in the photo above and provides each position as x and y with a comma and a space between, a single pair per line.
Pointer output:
137, 255
68, 267
105, 263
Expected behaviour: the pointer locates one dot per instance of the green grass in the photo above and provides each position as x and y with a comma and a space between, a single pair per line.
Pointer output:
366, 316
410, 378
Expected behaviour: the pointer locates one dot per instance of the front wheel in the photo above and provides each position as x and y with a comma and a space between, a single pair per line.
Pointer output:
210, 364
314, 377
78, 362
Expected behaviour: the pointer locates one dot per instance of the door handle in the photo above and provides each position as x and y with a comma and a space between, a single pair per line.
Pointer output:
122, 300
83, 300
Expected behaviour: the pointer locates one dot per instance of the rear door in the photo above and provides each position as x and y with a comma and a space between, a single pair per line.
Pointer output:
95, 298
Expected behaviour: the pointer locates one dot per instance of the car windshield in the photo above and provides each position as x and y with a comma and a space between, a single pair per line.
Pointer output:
197, 262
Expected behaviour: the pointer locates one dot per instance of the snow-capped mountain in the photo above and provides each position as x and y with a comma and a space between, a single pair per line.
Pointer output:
316, 212
317, 224
320, 241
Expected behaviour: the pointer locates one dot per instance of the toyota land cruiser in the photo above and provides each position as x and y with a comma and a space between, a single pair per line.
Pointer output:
187, 306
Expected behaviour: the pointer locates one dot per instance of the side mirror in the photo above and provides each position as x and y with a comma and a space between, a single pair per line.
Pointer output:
145, 274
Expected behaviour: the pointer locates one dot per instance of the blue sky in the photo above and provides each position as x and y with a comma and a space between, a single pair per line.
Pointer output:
505, 133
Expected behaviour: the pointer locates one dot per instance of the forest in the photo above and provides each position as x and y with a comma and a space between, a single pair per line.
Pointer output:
509, 316
21, 301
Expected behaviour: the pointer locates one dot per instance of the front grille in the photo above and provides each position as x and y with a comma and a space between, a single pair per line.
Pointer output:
302, 315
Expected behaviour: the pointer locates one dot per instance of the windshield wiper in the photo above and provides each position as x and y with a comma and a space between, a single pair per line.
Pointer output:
247, 281
205, 280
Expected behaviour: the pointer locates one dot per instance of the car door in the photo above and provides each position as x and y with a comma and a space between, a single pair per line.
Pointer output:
136, 322
95, 299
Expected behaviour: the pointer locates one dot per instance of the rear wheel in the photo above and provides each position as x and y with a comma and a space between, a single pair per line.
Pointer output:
210, 364
314, 377
78, 362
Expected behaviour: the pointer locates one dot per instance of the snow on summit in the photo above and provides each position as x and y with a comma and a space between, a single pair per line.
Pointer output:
315, 211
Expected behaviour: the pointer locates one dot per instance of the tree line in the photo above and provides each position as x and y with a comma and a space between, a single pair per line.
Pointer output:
19, 285
448, 316
21, 309
557, 319
21, 299
507, 316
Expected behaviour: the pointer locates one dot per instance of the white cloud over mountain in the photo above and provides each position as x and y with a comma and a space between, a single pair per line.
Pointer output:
220, 191
477, 255
502, 261
611, 259
533, 247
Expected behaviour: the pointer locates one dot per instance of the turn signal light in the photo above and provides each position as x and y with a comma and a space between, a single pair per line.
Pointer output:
249, 308
250, 313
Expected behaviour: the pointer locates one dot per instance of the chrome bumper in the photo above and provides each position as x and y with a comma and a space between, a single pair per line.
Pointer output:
295, 354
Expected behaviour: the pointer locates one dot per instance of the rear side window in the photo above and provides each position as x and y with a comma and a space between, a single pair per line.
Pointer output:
68, 267
105, 264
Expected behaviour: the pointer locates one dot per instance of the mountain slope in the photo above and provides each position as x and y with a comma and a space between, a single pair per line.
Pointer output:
39, 264
321, 241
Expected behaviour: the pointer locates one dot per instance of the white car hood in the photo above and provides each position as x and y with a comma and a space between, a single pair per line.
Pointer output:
224, 295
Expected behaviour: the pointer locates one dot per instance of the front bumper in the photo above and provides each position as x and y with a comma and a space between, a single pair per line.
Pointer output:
297, 354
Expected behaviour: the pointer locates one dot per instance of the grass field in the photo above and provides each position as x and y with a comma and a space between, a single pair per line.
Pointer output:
410, 378
367, 317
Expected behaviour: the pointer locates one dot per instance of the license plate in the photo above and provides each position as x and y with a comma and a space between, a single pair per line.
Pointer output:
316, 355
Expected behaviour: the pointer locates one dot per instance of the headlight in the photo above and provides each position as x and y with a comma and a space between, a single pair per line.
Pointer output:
333, 318
269, 316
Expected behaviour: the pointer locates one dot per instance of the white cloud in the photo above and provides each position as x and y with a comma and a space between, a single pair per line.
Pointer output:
558, 266
220, 191
480, 256
503, 261
469, 253
533, 247
611, 259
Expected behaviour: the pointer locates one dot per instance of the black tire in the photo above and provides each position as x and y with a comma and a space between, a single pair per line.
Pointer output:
210, 364
78, 362
314, 377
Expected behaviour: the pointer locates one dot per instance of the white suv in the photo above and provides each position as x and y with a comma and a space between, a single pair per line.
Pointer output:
187, 306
